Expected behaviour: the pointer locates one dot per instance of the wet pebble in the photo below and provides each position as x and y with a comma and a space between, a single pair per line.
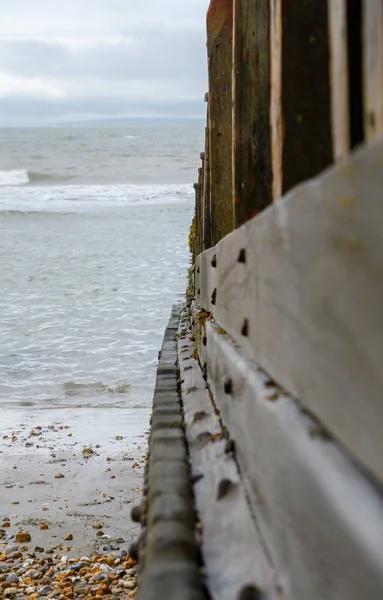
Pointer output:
43, 577
44, 591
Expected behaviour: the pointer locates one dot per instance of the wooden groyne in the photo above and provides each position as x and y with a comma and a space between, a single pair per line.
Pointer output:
271, 390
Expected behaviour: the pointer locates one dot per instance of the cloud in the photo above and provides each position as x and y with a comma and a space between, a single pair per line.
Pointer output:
115, 54
31, 86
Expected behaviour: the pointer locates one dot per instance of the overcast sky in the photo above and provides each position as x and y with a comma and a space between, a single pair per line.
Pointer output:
68, 60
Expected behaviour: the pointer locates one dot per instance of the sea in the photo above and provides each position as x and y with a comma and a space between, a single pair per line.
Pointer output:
93, 254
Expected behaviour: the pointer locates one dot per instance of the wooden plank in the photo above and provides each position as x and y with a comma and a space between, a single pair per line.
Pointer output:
310, 288
320, 517
200, 211
168, 549
340, 117
207, 235
276, 95
233, 552
252, 174
300, 109
373, 68
206, 289
219, 45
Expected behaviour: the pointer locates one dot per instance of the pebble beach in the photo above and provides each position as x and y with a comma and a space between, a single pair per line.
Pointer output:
65, 526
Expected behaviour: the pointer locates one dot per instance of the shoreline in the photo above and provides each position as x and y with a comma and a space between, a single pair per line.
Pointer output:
54, 485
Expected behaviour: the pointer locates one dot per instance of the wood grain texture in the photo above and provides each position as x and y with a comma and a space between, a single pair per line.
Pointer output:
219, 46
200, 212
373, 68
252, 175
207, 233
167, 546
340, 117
321, 519
233, 552
307, 147
311, 291
206, 293
300, 96
276, 117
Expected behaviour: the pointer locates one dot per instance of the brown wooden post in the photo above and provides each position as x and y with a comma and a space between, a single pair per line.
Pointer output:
200, 210
337, 18
196, 217
300, 105
206, 186
373, 68
219, 44
252, 175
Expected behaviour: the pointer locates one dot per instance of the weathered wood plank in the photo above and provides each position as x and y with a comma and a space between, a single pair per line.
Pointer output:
200, 210
276, 117
310, 287
206, 291
340, 117
219, 46
233, 552
300, 109
252, 175
320, 517
373, 68
168, 549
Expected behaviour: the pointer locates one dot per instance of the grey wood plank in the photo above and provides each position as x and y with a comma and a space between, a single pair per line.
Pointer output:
321, 518
311, 292
206, 280
234, 554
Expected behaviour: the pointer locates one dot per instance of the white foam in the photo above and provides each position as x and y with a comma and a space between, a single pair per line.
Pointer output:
14, 177
79, 198
132, 137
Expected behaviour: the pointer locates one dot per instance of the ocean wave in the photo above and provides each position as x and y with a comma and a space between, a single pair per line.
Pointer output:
35, 177
66, 199
23, 177
14, 177
132, 137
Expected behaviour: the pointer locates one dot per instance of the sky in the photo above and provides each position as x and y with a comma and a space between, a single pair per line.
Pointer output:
73, 60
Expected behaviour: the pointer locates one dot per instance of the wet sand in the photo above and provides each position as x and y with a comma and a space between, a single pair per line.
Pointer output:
55, 483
